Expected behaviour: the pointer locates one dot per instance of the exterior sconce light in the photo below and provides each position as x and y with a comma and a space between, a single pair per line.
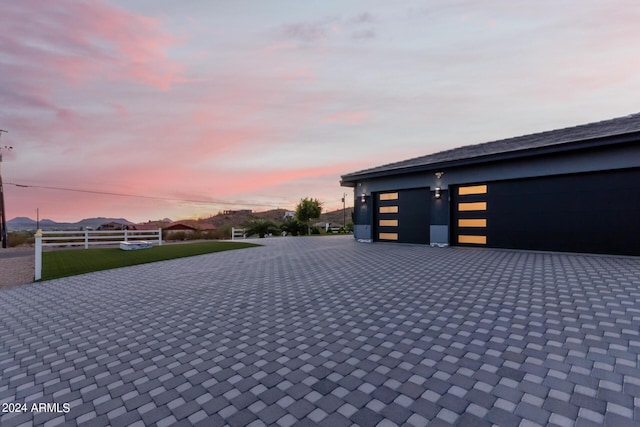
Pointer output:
363, 199
437, 193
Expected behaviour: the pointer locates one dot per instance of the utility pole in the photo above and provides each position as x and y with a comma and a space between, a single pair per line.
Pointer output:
344, 212
4, 235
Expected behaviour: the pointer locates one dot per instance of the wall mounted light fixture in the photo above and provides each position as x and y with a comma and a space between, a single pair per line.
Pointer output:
437, 193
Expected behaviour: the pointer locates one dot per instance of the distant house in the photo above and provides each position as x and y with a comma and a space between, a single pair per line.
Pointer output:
186, 228
234, 212
289, 214
112, 226
179, 226
147, 226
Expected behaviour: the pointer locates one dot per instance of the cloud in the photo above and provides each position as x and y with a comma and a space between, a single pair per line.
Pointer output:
281, 47
358, 27
593, 52
363, 18
366, 20
306, 32
363, 34
355, 117
81, 41
241, 107
304, 73
244, 181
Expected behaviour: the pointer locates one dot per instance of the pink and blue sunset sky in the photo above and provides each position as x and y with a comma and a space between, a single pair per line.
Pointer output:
258, 104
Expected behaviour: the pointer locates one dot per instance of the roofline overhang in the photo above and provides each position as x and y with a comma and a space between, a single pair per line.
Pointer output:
350, 180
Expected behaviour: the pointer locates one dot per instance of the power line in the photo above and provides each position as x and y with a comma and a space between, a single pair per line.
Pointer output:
108, 193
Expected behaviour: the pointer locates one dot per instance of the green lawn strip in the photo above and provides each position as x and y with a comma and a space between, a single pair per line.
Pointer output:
64, 263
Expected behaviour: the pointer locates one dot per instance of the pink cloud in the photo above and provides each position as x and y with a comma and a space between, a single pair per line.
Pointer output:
298, 74
239, 181
353, 117
81, 105
592, 57
81, 40
281, 47
180, 183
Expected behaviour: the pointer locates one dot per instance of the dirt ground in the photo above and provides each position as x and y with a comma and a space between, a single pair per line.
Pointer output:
17, 266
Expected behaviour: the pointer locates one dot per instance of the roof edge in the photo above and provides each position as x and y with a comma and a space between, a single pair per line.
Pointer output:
570, 138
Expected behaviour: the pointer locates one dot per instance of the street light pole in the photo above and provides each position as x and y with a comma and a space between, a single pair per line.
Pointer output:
344, 211
4, 235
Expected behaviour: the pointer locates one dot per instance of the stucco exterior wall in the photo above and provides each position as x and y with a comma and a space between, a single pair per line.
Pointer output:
598, 159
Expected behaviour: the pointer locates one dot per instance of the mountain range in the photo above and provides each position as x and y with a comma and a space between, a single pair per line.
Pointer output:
230, 218
24, 223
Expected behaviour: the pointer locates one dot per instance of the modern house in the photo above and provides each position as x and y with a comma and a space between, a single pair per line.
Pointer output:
575, 189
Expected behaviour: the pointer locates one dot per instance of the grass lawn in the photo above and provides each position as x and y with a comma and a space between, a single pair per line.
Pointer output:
63, 263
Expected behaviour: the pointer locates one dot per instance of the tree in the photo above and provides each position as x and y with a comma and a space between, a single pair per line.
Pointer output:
307, 210
260, 227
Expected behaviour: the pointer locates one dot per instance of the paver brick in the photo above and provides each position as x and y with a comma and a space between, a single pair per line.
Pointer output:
331, 332
532, 413
301, 408
366, 418
425, 408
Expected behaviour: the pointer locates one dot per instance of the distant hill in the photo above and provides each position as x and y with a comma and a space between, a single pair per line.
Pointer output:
24, 223
239, 218
221, 220
21, 223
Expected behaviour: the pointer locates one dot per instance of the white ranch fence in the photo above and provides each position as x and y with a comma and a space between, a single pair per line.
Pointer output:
238, 233
89, 238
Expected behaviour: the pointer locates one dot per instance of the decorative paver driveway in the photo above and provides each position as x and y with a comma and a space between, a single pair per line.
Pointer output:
327, 331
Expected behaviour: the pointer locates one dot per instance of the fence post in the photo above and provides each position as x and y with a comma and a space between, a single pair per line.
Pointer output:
159, 236
38, 272
126, 235
86, 239
233, 233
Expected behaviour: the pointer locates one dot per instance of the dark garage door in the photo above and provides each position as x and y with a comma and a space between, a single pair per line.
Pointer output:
402, 216
592, 212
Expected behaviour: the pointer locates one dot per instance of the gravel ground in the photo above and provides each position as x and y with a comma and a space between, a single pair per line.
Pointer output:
17, 266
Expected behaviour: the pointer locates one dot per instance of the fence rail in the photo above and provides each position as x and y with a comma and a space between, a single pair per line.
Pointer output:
238, 233
89, 238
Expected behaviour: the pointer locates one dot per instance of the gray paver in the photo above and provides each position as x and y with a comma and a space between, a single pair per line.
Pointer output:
327, 331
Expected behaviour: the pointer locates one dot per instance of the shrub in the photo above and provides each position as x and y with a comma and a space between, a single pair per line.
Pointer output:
19, 238
293, 226
260, 227
222, 233
175, 235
